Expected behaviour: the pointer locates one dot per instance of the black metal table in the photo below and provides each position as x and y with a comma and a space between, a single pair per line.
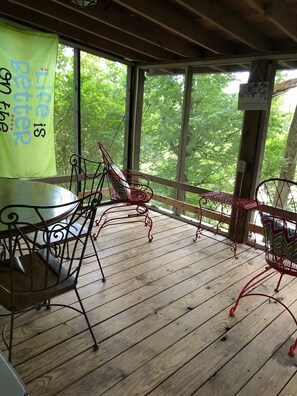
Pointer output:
15, 192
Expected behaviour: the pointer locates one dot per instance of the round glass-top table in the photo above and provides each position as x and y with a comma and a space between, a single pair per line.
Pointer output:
23, 192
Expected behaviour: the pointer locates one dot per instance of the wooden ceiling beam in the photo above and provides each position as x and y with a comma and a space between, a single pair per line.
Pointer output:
67, 32
110, 15
278, 13
228, 21
97, 28
288, 64
178, 24
168, 33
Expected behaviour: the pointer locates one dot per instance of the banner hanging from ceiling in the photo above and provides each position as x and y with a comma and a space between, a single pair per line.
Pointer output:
27, 75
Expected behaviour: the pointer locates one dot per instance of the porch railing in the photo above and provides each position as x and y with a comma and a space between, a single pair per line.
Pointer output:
179, 205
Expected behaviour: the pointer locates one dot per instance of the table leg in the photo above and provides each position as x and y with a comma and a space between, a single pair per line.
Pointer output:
234, 242
199, 228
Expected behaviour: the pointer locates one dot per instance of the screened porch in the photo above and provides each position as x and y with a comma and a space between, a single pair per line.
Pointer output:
161, 85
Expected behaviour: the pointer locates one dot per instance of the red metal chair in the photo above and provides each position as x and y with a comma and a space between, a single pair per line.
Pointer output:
130, 192
277, 204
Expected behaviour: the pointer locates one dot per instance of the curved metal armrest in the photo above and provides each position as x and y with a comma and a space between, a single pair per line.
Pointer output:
138, 181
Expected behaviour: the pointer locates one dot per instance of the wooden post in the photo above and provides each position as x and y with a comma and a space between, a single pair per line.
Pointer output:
134, 138
252, 145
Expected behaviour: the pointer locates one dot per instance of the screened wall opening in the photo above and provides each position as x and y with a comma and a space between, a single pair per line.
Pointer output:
161, 129
103, 86
214, 133
280, 153
64, 109
190, 132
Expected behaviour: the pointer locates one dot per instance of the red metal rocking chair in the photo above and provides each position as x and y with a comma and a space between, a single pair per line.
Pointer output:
277, 205
131, 193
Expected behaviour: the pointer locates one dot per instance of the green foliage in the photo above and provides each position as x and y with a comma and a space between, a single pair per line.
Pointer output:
103, 106
279, 124
213, 136
161, 123
214, 128
64, 109
214, 133
103, 92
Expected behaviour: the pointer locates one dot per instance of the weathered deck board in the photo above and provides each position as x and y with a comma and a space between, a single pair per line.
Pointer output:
162, 320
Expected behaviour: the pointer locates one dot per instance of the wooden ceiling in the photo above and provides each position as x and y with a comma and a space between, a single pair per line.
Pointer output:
169, 33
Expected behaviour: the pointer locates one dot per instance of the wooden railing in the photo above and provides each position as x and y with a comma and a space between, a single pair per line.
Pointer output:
181, 205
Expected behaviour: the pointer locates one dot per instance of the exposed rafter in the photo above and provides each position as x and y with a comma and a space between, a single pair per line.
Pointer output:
278, 13
227, 20
175, 22
170, 34
70, 17
123, 21
66, 31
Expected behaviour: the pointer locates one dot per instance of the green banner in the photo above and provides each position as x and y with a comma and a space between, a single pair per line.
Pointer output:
27, 75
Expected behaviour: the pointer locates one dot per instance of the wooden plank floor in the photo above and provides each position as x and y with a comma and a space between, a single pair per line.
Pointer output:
162, 320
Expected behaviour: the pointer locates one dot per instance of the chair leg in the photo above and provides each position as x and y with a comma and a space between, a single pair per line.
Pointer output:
98, 260
141, 214
149, 223
102, 220
266, 274
292, 348
96, 234
96, 345
245, 292
10, 336
278, 283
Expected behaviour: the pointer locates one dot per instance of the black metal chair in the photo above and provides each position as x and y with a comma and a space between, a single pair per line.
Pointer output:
30, 276
130, 192
277, 204
87, 176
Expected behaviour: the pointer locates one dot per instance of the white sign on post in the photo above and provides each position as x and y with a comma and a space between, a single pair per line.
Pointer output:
253, 96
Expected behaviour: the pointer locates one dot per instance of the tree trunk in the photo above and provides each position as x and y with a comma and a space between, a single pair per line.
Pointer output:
290, 156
